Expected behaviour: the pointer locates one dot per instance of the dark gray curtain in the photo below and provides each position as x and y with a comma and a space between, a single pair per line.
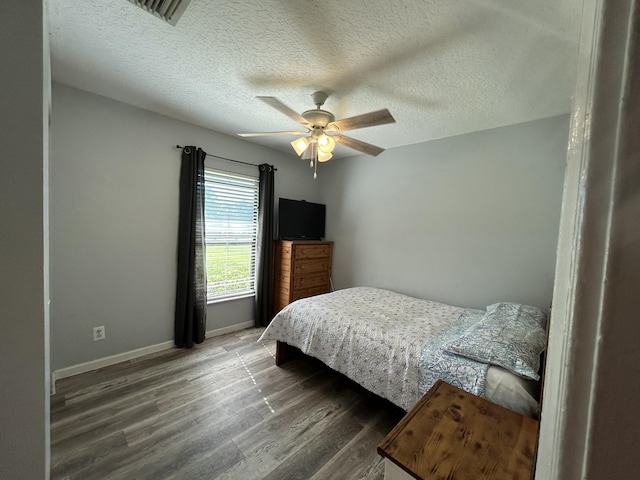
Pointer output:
191, 290
264, 254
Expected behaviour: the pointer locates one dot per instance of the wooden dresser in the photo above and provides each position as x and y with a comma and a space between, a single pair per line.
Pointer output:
302, 268
450, 433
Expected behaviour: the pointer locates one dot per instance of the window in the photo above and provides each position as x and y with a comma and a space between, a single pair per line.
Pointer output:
231, 225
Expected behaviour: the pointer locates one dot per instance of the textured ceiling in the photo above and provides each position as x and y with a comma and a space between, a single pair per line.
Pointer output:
442, 67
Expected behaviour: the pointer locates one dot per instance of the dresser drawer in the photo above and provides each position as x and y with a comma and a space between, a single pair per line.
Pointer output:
311, 251
309, 281
308, 292
311, 266
302, 268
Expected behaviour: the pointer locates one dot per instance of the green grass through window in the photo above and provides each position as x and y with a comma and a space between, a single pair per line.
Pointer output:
228, 269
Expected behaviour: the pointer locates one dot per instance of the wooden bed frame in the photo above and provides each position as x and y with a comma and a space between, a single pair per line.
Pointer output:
285, 352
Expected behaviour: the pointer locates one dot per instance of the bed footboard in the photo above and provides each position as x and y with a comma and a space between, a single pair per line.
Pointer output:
285, 352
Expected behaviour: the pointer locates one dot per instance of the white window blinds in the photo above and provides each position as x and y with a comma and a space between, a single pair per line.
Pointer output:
231, 225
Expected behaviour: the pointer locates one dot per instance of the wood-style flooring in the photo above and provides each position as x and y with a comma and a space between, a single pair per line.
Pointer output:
222, 410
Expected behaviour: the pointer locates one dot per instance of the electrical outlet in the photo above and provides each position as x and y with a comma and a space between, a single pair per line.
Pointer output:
98, 333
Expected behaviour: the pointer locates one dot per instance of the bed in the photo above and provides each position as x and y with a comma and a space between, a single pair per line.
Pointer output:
397, 346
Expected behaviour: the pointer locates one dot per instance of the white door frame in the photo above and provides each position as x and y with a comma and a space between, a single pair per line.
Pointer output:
588, 427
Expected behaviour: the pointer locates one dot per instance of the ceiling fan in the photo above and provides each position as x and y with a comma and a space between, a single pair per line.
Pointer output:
320, 140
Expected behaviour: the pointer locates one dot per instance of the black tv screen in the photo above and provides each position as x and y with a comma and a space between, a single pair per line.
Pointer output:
300, 220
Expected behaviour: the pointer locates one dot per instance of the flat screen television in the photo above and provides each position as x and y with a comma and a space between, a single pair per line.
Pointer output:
300, 220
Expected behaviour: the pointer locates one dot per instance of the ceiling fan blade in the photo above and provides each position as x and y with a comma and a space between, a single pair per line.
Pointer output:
358, 145
270, 133
370, 119
282, 108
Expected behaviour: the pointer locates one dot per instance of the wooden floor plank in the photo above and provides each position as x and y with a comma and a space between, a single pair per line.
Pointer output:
212, 464
64, 438
85, 455
320, 449
222, 410
358, 458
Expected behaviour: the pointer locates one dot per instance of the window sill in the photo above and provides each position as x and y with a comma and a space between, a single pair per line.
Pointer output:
230, 298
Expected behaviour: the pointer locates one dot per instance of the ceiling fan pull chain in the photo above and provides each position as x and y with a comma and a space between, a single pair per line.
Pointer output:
315, 170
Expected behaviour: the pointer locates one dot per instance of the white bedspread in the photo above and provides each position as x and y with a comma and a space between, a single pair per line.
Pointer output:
373, 336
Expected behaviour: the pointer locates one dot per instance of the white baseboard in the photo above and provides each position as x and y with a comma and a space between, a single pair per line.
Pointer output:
231, 328
112, 360
123, 357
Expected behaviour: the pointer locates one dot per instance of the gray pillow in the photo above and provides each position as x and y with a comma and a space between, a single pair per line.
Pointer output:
506, 336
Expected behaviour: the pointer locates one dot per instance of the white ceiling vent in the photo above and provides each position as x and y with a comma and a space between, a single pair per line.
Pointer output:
168, 10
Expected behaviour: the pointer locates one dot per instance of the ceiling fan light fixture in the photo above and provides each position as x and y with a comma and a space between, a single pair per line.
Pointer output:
317, 145
300, 145
324, 156
326, 143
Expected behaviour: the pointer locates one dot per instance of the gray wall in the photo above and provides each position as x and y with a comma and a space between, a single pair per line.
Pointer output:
114, 215
24, 336
468, 220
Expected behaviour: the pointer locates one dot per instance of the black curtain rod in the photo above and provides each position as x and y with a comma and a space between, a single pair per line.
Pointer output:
229, 159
